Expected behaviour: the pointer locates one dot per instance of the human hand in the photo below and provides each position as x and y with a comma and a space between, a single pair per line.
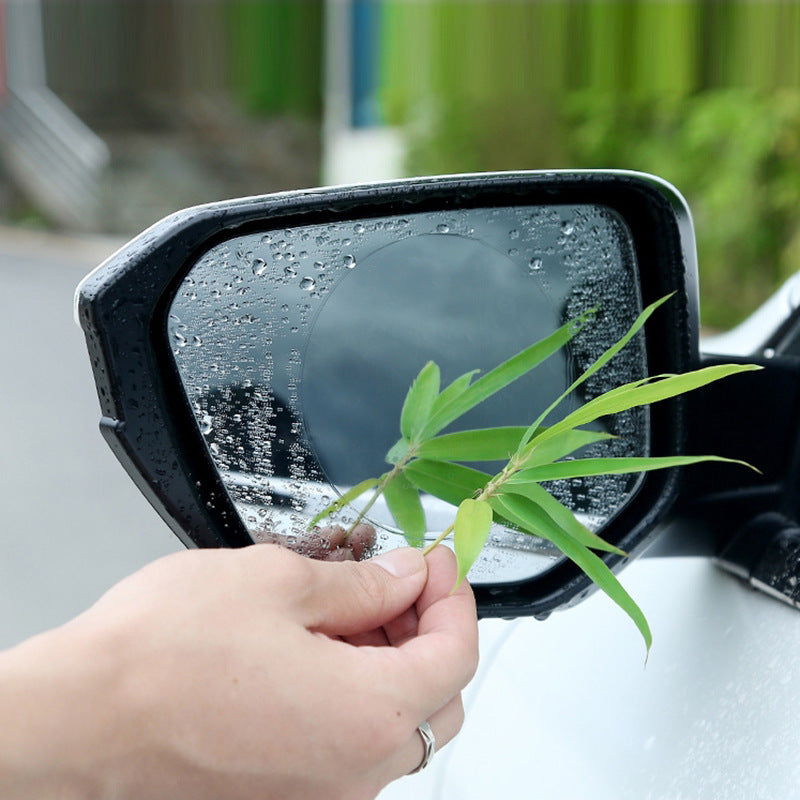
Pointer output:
245, 674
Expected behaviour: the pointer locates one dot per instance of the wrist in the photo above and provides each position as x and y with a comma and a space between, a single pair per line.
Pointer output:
57, 703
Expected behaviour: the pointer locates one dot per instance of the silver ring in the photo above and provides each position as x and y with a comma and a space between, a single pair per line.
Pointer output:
429, 741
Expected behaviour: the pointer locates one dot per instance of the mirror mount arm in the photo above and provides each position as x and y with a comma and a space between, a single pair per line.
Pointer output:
745, 417
766, 554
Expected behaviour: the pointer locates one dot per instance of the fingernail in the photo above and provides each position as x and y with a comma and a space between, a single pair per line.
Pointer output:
402, 563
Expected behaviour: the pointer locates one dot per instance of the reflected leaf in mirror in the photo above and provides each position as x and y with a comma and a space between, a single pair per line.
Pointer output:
421, 461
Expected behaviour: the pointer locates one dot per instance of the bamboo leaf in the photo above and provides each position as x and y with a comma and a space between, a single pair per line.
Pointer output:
585, 467
398, 451
347, 498
449, 482
516, 509
419, 401
598, 364
563, 444
640, 393
501, 376
483, 444
471, 529
560, 514
404, 503
454, 390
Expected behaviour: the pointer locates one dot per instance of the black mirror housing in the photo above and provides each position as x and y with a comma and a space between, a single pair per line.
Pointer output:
148, 419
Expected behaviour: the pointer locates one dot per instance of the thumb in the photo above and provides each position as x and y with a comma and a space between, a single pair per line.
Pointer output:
348, 597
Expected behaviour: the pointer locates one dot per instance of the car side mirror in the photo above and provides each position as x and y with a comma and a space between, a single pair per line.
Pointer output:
251, 356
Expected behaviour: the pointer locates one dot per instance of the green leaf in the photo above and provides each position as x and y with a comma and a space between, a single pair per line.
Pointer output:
419, 401
585, 467
454, 390
560, 514
501, 376
598, 364
449, 482
563, 444
495, 444
517, 510
404, 503
471, 529
640, 393
483, 444
398, 451
345, 499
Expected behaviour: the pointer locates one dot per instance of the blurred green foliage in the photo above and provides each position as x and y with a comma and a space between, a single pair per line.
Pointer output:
734, 153
276, 55
703, 94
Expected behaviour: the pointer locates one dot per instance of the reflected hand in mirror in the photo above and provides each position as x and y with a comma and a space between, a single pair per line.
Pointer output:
332, 543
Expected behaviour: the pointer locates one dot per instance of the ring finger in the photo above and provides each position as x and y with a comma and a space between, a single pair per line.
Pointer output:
445, 724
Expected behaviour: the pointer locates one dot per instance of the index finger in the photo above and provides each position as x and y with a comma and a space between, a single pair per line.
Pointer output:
442, 658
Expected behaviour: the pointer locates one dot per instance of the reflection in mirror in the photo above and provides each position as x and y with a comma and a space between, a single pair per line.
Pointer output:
296, 348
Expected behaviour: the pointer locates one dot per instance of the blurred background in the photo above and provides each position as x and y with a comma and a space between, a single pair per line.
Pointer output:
114, 113
117, 113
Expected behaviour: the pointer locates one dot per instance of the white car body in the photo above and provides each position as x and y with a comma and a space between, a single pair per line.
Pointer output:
566, 708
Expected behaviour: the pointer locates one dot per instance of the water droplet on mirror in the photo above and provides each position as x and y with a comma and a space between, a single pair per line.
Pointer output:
180, 339
359, 227
266, 238
307, 284
513, 252
206, 423
320, 265
285, 307
567, 227
349, 261
290, 270
259, 266
535, 264
442, 227
514, 234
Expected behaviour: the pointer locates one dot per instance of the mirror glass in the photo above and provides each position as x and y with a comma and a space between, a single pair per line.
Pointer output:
296, 348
